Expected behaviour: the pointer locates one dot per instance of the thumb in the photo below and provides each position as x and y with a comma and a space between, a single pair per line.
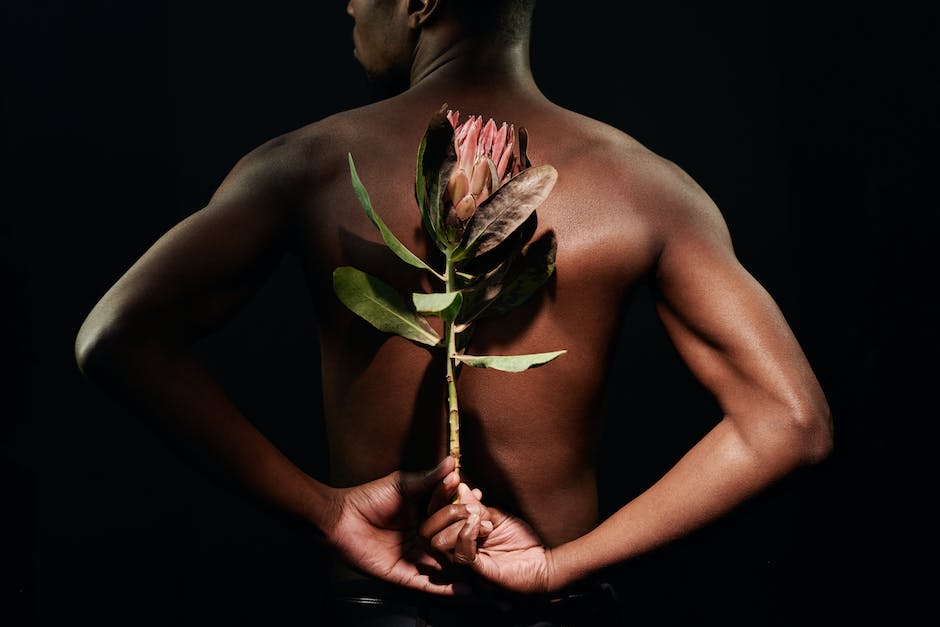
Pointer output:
416, 483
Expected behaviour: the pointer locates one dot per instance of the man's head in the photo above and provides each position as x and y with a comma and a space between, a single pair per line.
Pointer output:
503, 22
387, 33
384, 38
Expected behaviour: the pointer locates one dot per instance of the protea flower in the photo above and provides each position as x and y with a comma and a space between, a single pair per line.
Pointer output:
484, 162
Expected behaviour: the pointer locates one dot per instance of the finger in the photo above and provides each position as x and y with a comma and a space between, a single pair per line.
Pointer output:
425, 561
412, 577
465, 549
466, 494
446, 516
444, 493
445, 540
462, 495
470, 497
412, 484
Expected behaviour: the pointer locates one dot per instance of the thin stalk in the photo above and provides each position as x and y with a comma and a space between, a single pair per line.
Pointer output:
453, 413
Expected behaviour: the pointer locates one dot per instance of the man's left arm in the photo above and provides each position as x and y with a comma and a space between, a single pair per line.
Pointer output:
737, 343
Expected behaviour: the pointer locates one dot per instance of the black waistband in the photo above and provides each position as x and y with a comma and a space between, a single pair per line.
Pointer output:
587, 603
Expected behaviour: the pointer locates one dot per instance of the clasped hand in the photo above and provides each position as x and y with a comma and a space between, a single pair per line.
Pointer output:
404, 528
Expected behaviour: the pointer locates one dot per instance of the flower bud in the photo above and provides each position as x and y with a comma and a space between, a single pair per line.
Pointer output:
484, 162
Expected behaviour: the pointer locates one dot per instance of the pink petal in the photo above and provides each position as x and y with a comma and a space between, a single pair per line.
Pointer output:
458, 185
489, 132
478, 125
461, 131
465, 157
465, 208
503, 163
480, 176
499, 142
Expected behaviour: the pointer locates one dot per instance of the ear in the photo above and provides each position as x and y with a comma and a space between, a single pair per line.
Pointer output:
420, 11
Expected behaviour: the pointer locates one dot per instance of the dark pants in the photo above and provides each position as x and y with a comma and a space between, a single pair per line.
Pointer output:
375, 604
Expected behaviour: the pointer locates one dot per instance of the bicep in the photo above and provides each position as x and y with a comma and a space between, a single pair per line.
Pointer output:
198, 273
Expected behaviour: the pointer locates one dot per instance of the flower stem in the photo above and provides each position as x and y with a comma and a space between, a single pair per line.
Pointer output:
453, 414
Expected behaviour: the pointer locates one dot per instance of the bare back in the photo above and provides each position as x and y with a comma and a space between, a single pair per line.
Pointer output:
528, 439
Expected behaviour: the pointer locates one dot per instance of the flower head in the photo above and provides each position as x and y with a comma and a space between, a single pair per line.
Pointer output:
485, 161
473, 179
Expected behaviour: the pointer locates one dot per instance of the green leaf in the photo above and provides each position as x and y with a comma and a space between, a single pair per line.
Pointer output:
390, 240
509, 363
464, 335
421, 193
508, 208
379, 304
443, 305
524, 162
436, 159
510, 247
528, 273
478, 296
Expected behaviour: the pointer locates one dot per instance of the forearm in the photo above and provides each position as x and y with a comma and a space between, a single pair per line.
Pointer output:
721, 471
170, 389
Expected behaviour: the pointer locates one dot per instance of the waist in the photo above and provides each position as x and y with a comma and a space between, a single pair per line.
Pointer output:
354, 601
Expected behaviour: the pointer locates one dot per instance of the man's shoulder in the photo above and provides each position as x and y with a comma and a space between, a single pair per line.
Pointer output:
600, 143
304, 154
648, 188
638, 170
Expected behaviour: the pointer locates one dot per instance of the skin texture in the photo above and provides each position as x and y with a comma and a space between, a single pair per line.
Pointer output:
624, 217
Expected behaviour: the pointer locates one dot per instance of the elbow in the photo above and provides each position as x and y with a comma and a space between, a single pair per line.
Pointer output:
111, 344
812, 429
98, 346
784, 436
91, 348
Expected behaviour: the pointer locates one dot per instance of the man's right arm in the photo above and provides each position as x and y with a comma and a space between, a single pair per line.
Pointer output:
137, 342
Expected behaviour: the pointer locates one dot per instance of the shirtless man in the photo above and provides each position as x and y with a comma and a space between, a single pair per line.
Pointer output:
622, 215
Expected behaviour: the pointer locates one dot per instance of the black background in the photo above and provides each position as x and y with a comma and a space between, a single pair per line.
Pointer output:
812, 129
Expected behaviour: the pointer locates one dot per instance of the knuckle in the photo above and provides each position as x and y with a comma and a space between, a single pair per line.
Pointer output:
462, 558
